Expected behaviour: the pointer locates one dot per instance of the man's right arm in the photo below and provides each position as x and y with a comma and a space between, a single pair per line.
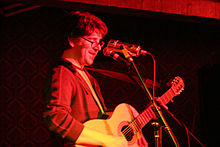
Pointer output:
91, 137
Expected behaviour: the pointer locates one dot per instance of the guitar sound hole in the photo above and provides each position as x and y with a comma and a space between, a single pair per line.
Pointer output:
127, 132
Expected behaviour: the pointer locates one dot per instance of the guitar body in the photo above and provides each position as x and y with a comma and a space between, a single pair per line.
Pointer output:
127, 122
118, 123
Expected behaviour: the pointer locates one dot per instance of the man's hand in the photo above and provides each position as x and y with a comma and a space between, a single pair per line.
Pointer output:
94, 138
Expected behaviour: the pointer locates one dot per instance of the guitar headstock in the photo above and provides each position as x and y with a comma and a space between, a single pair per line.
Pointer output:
177, 85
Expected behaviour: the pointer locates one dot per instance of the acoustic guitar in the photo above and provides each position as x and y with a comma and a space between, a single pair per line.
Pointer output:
127, 122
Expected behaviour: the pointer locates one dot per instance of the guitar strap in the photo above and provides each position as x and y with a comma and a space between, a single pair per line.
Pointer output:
84, 75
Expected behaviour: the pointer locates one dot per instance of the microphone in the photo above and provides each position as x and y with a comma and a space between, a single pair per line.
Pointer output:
110, 53
133, 49
114, 55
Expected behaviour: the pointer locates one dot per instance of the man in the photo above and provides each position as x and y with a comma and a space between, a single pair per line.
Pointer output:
73, 96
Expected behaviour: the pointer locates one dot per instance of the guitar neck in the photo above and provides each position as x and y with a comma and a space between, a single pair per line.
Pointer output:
148, 114
166, 97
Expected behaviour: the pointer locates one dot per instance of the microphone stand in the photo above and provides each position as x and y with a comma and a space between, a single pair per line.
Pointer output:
182, 125
155, 107
157, 134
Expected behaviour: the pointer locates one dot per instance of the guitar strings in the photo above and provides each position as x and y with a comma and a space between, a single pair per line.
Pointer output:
129, 128
127, 132
149, 114
136, 124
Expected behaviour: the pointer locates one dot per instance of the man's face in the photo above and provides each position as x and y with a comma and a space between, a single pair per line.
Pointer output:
87, 51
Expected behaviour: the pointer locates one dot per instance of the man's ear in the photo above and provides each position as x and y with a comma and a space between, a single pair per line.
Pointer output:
70, 40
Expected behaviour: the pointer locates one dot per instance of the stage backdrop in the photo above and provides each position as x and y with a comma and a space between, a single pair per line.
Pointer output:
31, 41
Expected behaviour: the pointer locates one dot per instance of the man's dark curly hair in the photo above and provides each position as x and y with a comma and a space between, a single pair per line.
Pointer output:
83, 24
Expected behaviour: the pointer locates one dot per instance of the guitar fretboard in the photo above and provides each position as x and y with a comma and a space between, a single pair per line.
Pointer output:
167, 96
148, 114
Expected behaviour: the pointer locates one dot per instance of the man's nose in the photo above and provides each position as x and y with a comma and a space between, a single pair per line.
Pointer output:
98, 47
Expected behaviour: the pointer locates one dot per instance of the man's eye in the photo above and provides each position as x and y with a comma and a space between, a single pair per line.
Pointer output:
93, 39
